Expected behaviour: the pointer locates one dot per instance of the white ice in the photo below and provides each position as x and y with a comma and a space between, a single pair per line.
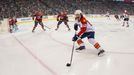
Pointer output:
47, 52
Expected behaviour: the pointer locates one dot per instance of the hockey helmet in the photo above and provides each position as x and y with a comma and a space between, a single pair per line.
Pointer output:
78, 13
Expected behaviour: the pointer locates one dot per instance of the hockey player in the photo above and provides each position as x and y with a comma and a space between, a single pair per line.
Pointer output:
116, 17
126, 18
11, 24
86, 31
38, 19
0, 21
121, 16
108, 15
62, 17
14, 22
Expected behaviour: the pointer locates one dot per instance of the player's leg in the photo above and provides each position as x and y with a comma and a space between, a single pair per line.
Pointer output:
42, 26
35, 25
81, 43
65, 22
92, 41
97, 46
11, 28
118, 18
58, 24
16, 26
124, 22
127, 22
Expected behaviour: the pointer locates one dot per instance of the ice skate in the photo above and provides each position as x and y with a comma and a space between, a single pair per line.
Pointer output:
127, 25
101, 53
69, 29
44, 29
80, 48
56, 29
32, 31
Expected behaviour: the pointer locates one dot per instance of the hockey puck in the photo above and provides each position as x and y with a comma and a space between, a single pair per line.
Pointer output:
68, 65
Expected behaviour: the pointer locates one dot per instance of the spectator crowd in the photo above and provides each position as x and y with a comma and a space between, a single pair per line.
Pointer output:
25, 8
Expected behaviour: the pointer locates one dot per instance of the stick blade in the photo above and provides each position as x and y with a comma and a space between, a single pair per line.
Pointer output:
68, 64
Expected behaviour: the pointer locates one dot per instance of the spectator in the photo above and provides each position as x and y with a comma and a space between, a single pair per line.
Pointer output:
24, 8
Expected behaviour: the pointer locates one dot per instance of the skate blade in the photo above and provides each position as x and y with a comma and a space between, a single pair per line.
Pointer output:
102, 54
80, 51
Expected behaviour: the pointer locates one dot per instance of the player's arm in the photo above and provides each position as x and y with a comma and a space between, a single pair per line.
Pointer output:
82, 30
66, 18
77, 24
9, 23
33, 17
84, 27
58, 17
15, 20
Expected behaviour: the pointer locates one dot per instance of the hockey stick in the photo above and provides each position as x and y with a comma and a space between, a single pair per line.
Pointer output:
47, 27
69, 64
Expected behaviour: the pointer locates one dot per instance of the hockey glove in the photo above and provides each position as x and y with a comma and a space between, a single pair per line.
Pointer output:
75, 27
33, 18
75, 37
57, 19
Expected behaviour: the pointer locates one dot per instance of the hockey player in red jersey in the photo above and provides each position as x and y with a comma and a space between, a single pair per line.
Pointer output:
116, 17
38, 19
12, 24
62, 17
86, 30
126, 18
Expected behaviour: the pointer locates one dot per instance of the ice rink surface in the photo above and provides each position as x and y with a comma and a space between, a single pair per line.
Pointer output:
47, 52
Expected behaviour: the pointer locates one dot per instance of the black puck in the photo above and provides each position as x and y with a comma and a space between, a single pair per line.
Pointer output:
68, 65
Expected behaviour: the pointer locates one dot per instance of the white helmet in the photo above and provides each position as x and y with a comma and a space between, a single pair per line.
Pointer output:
125, 10
77, 12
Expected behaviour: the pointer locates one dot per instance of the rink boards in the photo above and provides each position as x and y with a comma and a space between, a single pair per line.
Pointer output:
71, 18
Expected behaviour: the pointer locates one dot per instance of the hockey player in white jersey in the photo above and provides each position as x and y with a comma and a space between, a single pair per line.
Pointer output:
86, 31
108, 15
126, 18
